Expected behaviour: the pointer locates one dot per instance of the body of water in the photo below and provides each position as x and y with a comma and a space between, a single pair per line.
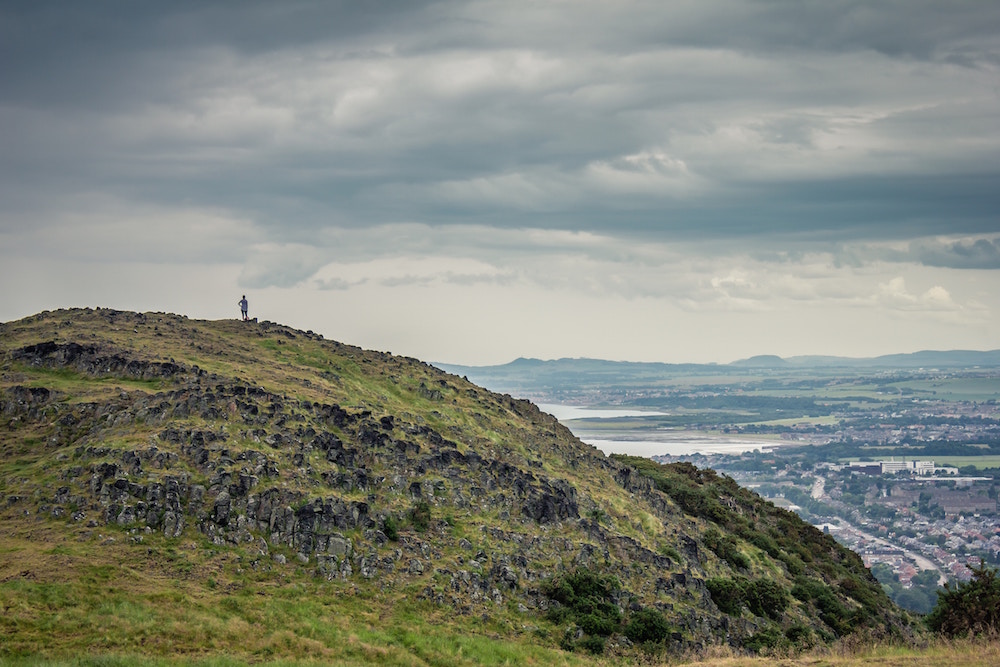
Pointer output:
649, 443
680, 445
564, 412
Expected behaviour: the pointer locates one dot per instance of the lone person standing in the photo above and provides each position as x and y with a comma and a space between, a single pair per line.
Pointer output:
243, 307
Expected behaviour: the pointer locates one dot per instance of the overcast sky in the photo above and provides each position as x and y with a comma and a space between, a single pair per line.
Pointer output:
470, 182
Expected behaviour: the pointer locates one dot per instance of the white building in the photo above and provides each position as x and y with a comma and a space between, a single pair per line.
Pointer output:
895, 467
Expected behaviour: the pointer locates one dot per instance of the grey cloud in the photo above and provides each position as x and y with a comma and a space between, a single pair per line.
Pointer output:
465, 280
303, 116
978, 254
966, 253
270, 265
913, 28
115, 49
336, 284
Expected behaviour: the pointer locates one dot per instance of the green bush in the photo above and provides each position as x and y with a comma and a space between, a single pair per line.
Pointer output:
768, 639
420, 516
596, 623
794, 565
592, 644
799, 634
585, 599
765, 597
727, 594
726, 548
766, 544
647, 626
390, 529
831, 611
968, 608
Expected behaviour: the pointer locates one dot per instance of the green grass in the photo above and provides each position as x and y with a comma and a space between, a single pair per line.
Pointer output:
70, 381
321, 622
957, 389
825, 420
981, 462
89, 602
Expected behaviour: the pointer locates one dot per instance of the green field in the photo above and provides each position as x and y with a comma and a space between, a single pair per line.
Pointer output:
980, 462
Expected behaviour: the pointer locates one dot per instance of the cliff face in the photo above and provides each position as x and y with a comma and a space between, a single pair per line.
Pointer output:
317, 459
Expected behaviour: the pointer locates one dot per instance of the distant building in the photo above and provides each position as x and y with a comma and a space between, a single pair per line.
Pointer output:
866, 468
896, 467
893, 467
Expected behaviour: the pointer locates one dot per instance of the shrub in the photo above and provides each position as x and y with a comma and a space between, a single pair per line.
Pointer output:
765, 597
390, 529
597, 623
799, 634
726, 548
806, 589
585, 599
727, 594
831, 611
647, 625
969, 608
420, 516
794, 565
592, 644
768, 639
766, 543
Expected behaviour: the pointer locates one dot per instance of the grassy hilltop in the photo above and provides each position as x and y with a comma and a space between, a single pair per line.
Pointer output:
228, 491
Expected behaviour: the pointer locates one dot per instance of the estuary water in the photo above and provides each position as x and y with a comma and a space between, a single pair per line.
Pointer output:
648, 443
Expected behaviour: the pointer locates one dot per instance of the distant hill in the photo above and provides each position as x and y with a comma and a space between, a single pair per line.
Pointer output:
950, 359
924, 359
761, 361
174, 488
530, 377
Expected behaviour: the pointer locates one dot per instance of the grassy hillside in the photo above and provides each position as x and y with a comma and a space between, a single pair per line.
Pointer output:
205, 490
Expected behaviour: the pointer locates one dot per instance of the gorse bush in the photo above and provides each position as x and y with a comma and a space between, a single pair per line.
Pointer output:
726, 548
585, 598
971, 608
768, 639
727, 594
390, 529
420, 516
647, 626
763, 597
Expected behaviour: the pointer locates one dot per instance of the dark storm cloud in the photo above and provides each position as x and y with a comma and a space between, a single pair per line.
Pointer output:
86, 53
686, 120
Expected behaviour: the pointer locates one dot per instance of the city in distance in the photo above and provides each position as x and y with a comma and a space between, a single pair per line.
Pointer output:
897, 456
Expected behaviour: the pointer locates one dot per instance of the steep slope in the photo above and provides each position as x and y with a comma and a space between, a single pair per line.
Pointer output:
225, 468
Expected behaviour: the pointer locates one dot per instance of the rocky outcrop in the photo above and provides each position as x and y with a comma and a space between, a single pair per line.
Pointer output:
89, 359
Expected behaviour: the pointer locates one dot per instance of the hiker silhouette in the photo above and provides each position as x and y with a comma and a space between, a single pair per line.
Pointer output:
243, 307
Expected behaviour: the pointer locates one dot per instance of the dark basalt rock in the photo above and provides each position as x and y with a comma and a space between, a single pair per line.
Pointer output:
26, 401
89, 359
557, 502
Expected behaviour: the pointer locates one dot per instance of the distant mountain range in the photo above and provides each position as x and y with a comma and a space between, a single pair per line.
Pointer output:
549, 380
922, 359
